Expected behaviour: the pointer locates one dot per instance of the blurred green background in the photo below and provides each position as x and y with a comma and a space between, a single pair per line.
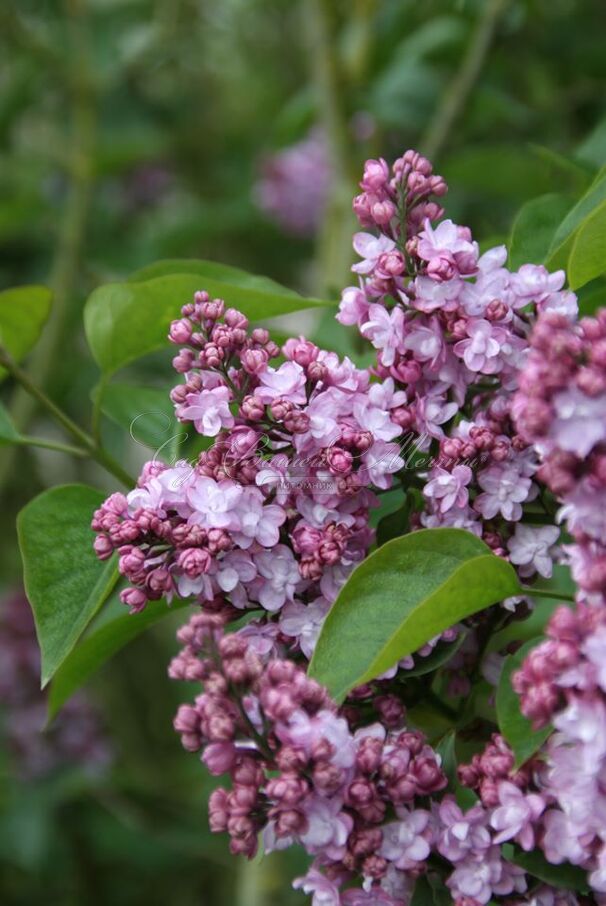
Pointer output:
133, 130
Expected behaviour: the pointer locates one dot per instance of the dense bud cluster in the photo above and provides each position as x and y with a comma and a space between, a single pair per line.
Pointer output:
360, 802
561, 409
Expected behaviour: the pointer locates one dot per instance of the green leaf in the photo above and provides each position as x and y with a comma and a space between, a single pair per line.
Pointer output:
8, 432
395, 524
561, 245
591, 297
23, 314
593, 149
440, 655
534, 228
516, 728
147, 414
402, 595
567, 877
521, 174
446, 749
226, 273
96, 648
422, 894
534, 624
588, 253
124, 321
64, 581
577, 175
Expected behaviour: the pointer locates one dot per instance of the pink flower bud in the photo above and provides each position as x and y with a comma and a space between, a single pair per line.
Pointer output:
339, 461
218, 811
301, 351
134, 598
103, 547
184, 361
254, 361
212, 310
252, 408
317, 371
180, 331
194, 562
235, 318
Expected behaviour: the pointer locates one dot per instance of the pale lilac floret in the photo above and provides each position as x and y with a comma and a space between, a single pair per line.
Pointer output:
304, 622
278, 568
426, 342
516, 815
285, 382
370, 248
215, 504
504, 492
449, 488
259, 521
461, 833
406, 841
381, 462
328, 827
353, 307
531, 547
448, 249
481, 352
481, 875
580, 421
323, 892
385, 330
208, 410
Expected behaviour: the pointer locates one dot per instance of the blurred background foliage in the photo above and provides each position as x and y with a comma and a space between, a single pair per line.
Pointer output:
133, 130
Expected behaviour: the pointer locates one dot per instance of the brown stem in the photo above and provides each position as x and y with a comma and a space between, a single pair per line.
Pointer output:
334, 242
462, 85
73, 221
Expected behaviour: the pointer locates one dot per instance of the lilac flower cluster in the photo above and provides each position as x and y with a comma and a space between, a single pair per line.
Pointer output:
294, 185
561, 408
274, 515
361, 803
556, 802
75, 737
451, 328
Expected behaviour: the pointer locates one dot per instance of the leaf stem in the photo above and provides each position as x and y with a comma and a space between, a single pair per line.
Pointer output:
94, 450
537, 592
46, 444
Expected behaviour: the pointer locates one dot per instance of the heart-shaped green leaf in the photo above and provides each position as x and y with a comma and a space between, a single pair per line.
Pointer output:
23, 314
588, 253
561, 245
213, 270
101, 644
146, 414
400, 597
64, 581
125, 321
534, 228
